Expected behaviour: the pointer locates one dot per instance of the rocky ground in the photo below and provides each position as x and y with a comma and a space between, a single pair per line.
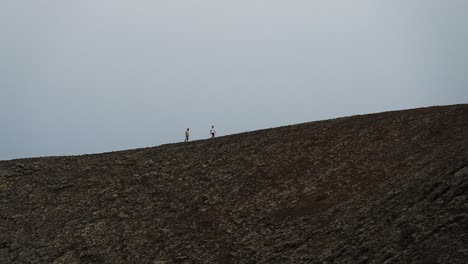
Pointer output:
381, 188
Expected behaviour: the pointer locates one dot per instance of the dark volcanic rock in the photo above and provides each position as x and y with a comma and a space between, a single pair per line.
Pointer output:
381, 188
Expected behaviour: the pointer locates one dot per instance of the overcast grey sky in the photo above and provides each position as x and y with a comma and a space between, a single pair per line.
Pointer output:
100, 75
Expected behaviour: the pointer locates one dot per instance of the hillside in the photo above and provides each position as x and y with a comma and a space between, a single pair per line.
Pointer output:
380, 188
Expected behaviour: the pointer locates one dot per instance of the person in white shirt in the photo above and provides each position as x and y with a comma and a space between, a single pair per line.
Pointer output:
187, 135
212, 132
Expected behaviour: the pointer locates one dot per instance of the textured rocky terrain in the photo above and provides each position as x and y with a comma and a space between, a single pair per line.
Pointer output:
380, 188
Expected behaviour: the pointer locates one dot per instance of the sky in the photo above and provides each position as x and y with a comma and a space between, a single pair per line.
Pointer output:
93, 76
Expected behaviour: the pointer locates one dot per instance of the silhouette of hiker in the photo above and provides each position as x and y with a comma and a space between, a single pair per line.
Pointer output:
187, 135
212, 132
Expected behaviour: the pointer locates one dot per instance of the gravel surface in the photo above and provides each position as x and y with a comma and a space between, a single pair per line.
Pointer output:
381, 188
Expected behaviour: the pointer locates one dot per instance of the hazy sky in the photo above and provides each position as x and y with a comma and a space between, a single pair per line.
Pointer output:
99, 75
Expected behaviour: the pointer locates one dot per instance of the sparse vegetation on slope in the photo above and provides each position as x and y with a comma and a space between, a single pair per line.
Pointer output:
381, 188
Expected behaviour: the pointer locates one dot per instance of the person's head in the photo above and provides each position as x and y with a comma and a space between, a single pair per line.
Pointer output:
212, 126
188, 129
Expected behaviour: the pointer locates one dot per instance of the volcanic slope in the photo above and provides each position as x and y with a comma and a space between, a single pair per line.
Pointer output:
379, 188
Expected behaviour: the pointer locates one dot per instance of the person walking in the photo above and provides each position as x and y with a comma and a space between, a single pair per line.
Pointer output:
187, 135
212, 132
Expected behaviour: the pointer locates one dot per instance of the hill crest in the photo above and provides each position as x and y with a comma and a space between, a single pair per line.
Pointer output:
388, 187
